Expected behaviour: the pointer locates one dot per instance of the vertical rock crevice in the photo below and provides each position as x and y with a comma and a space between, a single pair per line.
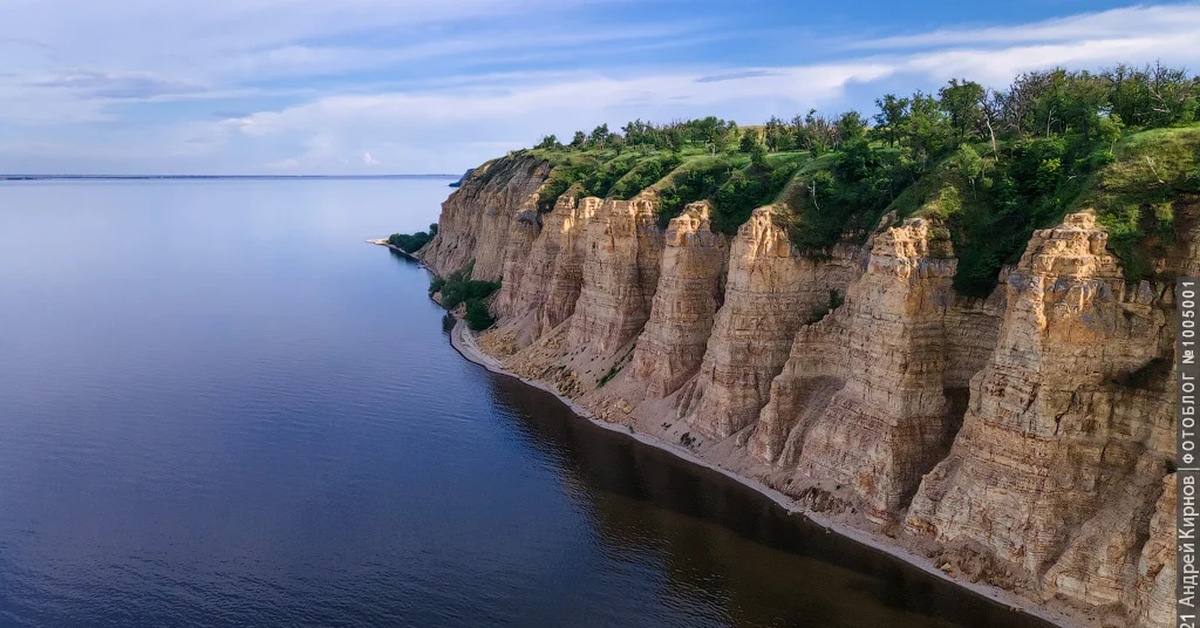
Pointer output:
671, 346
770, 291
1064, 424
860, 402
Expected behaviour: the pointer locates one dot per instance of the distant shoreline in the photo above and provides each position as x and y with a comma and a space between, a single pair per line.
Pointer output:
141, 177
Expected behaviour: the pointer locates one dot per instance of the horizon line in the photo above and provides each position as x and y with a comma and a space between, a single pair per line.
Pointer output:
28, 176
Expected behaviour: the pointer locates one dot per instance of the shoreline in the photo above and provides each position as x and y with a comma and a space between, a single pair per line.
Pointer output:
464, 343
384, 242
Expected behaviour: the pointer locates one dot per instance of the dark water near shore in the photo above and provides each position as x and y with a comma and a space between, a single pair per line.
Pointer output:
219, 407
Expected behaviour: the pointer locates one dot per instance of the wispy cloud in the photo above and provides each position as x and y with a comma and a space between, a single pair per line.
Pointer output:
428, 85
1111, 25
117, 85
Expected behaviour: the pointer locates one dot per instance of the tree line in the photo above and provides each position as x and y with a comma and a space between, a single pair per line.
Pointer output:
924, 126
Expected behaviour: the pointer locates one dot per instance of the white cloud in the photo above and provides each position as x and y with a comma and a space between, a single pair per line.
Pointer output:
519, 108
1112, 24
348, 86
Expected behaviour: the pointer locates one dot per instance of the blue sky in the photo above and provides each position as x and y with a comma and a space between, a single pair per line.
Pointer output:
389, 86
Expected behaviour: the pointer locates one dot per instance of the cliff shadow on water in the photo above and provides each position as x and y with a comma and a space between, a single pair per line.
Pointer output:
732, 553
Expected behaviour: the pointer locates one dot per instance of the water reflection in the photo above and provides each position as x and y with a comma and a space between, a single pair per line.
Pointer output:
732, 555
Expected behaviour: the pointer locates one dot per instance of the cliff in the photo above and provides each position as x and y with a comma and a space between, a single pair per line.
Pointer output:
1021, 438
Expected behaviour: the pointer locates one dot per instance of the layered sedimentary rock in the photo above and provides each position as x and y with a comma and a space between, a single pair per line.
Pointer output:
1056, 484
671, 347
518, 289
542, 281
770, 291
860, 401
566, 279
1068, 424
478, 218
620, 273
1151, 593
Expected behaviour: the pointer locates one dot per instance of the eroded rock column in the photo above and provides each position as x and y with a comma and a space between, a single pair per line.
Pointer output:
671, 347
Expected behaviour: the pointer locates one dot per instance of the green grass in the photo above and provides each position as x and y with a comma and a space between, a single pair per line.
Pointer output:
1135, 196
988, 204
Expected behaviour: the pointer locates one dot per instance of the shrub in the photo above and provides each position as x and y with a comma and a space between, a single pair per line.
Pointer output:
413, 242
478, 317
458, 288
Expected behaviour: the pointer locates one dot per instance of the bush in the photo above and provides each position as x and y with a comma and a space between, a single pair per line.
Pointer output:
478, 317
413, 242
458, 288
461, 291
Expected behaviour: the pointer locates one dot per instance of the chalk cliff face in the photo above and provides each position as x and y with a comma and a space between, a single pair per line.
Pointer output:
1020, 440
541, 282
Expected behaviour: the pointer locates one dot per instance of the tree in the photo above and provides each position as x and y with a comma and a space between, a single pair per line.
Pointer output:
820, 133
599, 136
851, 126
617, 142
993, 106
477, 316
1152, 95
579, 140
925, 129
1084, 96
1019, 105
893, 112
642, 133
549, 141
751, 138
712, 131
969, 164
961, 100
774, 134
1108, 130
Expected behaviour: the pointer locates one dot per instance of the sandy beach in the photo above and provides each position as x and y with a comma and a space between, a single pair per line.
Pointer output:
464, 342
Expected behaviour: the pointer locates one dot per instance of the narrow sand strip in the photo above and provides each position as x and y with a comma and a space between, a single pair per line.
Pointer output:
384, 242
464, 342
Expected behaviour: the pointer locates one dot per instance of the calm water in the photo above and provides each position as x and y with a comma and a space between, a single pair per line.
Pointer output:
219, 407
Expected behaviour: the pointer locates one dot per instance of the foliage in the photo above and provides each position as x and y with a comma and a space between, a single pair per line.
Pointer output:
459, 287
847, 195
413, 242
1135, 195
478, 317
644, 174
989, 166
700, 180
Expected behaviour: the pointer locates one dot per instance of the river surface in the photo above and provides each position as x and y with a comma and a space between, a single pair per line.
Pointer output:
220, 407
